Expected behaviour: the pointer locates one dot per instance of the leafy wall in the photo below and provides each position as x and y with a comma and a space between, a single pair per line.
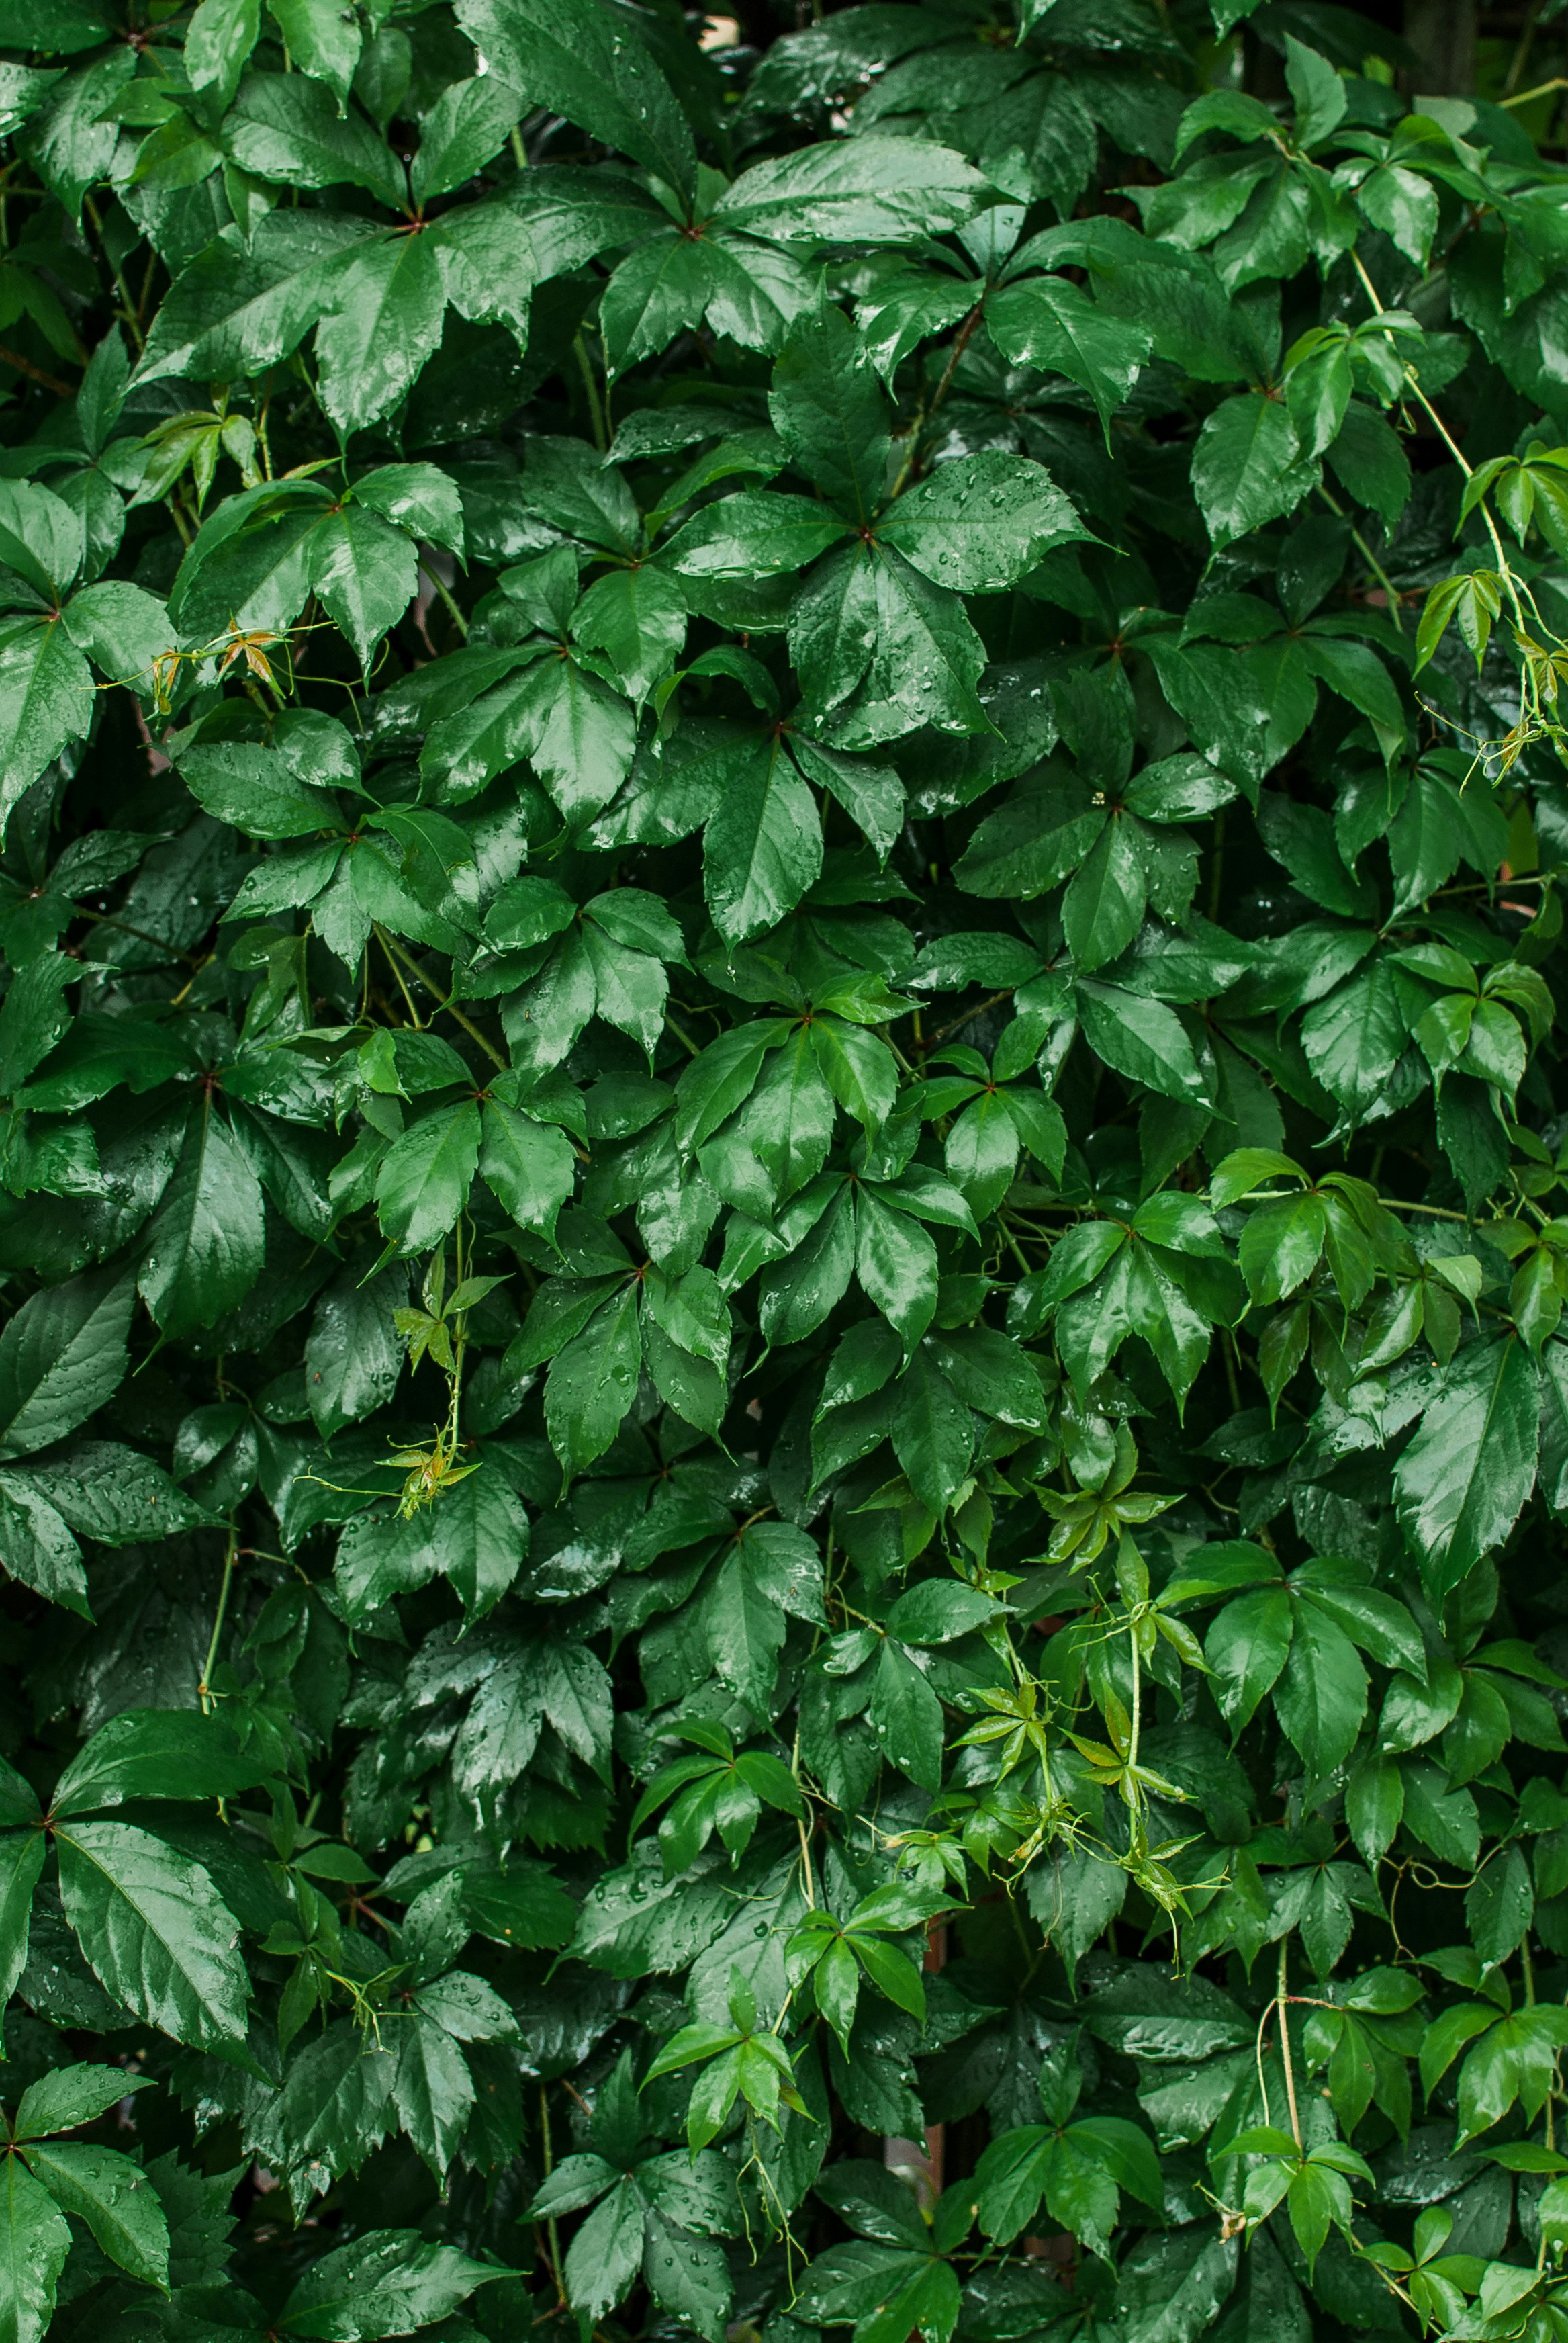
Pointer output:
781, 1415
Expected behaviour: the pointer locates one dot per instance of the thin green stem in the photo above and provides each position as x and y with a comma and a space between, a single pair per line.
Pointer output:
443, 1000
1389, 1203
968, 1018
960, 343
1448, 441
554, 2233
1137, 1716
1541, 89
1282, 2005
1520, 56
596, 411
127, 306
204, 1689
447, 600
401, 984
1369, 557
681, 1035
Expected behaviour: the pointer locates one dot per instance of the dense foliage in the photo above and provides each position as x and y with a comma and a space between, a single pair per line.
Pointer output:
780, 1161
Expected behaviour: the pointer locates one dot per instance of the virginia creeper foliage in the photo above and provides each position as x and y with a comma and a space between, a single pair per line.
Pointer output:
781, 1143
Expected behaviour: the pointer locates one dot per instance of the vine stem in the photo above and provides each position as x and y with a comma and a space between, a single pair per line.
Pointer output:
25, 366
395, 950
1521, 55
127, 306
968, 1017
681, 1035
1541, 89
1137, 1700
1448, 441
553, 2233
801, 1822
1389, 1203
1281, 2001
961, 340
204, 1689
596, 411
447, 598
1369, 557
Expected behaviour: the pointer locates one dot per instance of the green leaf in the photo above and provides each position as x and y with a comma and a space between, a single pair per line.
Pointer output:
1039, 836
906, 1716
1140, 1038
885, 188
932, 1432
383, 324
1049, 324
320, 42
1246, 1648
584, 65
287, 127
45, 701
763, 846
21, 1862
353, 1353
148, 1753
896, 1265
388, 2282
1320, 1698
476, 1537
432, 2090
1104, 908
529, 1165
1247, 467
365, 571
425, 1175
639, 617
116, 2199
234, 310
468, 125
256, 790
979, 522
881, 651
593, 1382
745, 1626
218, 42
754, 533
1462, 1479
204, 1248
1500, 1906
1368, 459
1072, 1895
606, 2254
39, 1550
72, 2095
660, 289
62, 1355
156, 1931
34, 2240
830, 412
40, 537
1171, 2287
